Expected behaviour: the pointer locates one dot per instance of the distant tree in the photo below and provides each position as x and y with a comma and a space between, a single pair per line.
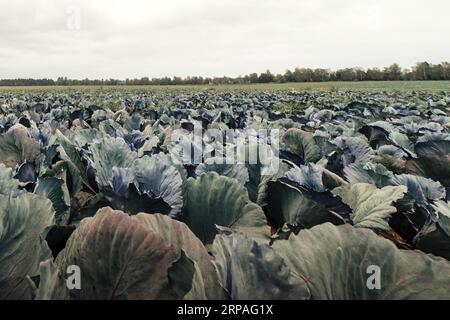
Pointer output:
393, 72
266, 77
62, 81
279, 78
374, 74
360, 74
301, 75
408, 75
321, 75
177, 80
347, 74
253, 78
436, 72
289, 76
422, 70
445, 71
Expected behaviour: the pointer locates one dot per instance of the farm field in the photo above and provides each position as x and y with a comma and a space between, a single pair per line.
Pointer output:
320, 86
291, 191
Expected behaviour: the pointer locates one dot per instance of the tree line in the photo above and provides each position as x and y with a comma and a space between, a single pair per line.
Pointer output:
421, 71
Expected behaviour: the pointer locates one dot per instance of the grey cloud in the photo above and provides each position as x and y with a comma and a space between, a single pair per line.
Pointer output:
202, 37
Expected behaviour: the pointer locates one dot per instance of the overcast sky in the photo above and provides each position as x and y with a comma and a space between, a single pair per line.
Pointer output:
135, 38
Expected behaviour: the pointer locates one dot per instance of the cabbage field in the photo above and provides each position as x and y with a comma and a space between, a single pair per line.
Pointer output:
262, 194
